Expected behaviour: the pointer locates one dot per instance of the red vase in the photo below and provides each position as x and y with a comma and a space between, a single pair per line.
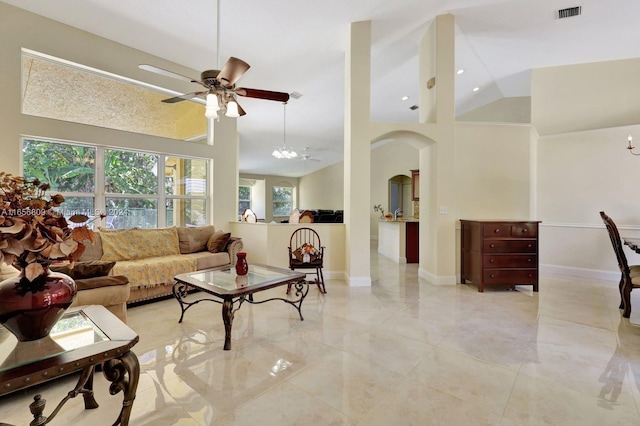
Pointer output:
30, 309
241, 264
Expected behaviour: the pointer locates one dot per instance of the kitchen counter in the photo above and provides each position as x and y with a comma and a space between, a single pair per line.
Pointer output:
398, 239
401, 219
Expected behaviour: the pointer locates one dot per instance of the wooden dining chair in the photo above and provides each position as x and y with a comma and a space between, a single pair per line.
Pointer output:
307, 252
630, 275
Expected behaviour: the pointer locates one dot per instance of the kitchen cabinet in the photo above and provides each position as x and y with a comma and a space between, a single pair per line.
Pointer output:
415, 185
500, 253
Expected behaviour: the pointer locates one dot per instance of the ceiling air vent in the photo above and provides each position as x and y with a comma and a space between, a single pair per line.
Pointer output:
569, 12
413, 107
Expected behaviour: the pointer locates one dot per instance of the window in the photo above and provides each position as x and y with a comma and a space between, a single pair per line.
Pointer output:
129, 191
186, 189
282, 200
244, 198
69, 169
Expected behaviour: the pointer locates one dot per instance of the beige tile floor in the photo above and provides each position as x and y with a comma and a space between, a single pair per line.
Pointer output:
403, 352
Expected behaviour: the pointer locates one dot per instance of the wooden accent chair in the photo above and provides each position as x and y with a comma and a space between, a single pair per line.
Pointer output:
249, 216
307, 217
630, 275
307, 252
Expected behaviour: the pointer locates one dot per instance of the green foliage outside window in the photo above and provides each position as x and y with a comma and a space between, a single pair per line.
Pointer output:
282, 197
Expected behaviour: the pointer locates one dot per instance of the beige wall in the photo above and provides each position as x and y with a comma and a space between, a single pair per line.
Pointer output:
323, 189
579, 175
493, 171
388, 160
505, 110
585, 97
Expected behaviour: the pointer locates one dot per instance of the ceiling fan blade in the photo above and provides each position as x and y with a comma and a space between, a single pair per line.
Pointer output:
182, 97
166, 73
232, 71
263, 94
241, 111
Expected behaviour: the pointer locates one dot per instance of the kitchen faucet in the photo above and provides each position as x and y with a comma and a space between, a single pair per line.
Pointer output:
395, 214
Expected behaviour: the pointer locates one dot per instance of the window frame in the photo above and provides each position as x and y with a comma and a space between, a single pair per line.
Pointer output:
100, 195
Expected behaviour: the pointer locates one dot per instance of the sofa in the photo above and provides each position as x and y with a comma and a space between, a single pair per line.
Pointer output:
151, 258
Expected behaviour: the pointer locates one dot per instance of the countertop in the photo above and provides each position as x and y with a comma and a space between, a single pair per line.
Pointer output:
401, 219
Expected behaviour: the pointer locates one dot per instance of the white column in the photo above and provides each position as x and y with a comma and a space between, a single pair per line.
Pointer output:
225, 167
437, 191
357, 154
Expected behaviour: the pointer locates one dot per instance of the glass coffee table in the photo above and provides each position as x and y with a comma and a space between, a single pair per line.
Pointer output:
232, 290
83, 338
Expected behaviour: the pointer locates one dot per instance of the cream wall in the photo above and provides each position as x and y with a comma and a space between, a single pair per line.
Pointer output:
505, 110
388, 160
323, 189
579, 175
585, 96
493, 171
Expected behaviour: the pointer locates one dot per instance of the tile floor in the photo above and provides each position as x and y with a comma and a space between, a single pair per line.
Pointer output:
402, 352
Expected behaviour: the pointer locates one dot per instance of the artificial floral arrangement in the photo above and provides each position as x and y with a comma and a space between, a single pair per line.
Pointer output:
32, 233
308, 250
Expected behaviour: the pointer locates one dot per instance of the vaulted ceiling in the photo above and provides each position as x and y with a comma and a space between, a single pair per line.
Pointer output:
299, 46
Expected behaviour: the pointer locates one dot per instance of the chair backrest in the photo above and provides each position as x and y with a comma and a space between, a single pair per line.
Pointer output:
307, 217
304, 235
616, 241
294, 217
249, 216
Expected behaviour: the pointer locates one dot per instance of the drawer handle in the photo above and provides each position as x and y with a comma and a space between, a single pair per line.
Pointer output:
524, 231
530, 275
530, 245
491, 260
492, 275
497, 230
530, 260
492, 246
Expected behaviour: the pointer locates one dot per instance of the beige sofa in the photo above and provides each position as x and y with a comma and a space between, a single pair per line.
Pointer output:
151, 258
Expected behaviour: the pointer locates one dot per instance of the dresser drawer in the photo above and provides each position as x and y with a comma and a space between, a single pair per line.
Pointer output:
510, 276
510, 246
497, 230
524, 230
510, 261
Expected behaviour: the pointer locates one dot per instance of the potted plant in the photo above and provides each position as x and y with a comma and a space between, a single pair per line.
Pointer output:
32, 236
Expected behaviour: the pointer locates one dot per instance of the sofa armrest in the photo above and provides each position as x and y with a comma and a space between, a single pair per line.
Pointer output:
234, 246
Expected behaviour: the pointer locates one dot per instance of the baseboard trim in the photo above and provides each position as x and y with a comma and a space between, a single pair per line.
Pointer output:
357, 281
581, 272
436, 279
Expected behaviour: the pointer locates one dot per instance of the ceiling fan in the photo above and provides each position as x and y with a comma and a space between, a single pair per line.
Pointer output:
220, 85
305, 156
221, 90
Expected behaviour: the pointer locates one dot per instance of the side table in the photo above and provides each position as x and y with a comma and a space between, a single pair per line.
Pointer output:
84, 337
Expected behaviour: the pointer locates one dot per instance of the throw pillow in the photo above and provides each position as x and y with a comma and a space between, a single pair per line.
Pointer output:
218, 241
82, 270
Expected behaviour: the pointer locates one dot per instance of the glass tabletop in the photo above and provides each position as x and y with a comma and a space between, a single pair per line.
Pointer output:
74, 330
228, 282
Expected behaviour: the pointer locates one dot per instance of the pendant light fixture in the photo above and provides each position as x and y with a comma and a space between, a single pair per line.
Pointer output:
283, 151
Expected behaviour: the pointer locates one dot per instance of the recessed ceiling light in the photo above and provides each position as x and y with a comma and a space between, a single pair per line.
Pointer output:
475, 89
460, 71
404, 98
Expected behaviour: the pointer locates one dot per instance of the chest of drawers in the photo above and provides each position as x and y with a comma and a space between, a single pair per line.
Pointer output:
499, 253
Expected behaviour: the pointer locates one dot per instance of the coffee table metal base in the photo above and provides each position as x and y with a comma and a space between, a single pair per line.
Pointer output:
231, 304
